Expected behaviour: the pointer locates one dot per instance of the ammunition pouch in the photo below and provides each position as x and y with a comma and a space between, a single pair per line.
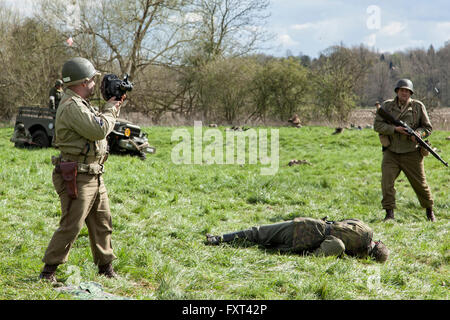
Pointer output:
69, 171
384, 140
424, 152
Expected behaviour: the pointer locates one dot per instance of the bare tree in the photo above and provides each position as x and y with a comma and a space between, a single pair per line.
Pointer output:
30, 55
229, 27
128, 35
224, 30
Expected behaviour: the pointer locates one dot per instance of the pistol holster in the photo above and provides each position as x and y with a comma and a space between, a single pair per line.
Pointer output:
68, 171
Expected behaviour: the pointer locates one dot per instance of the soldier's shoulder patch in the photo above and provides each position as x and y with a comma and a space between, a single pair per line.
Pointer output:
98, 120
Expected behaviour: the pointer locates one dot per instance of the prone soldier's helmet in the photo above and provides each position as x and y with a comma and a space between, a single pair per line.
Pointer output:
406, 84
380, 252
77, 70
20, 126
58, 83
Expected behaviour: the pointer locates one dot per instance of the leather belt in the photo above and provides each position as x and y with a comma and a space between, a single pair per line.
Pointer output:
65, 157
93, 168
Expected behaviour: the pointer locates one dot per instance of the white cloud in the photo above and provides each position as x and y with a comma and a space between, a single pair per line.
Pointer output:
23, 6
286, 40
443, 27
393, 28
299, 27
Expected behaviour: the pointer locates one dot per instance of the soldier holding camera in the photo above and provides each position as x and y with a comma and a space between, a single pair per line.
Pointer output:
80, 135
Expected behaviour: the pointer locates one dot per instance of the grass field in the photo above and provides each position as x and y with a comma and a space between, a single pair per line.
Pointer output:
161, 212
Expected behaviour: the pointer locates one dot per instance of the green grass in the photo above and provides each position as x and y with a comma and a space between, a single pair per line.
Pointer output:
161, 212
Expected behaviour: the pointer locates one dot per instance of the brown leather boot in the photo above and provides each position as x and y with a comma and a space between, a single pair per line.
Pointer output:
430, 215
48, 273
389, 214
107, 271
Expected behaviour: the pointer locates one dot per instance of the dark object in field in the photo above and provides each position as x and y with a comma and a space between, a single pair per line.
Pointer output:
297, 162
338, 131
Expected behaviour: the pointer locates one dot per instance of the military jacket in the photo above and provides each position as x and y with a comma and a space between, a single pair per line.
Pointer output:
356, 236
57, 94
310, 233
80, 129
21, 136
412, 113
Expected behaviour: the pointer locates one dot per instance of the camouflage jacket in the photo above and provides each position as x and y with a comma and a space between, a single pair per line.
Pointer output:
79, 128
310, 233
412, 113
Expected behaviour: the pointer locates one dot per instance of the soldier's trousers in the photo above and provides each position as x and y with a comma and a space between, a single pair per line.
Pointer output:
278, 235
91, 207
411, 164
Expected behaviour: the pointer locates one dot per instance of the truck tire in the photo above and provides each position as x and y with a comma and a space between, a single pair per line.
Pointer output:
41, 139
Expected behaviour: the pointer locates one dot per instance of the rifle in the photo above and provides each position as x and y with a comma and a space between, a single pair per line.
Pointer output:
390, 118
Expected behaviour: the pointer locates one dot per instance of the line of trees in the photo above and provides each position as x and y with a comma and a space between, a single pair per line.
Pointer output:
198, 59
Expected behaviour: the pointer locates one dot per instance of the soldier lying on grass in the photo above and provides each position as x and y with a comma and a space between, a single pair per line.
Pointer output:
318, 237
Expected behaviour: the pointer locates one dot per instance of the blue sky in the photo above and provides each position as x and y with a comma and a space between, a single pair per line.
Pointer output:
310, 27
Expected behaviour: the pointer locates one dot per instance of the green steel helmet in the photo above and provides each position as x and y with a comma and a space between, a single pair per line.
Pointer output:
58, 83
20, 126
405, 83
380, 252
77, 70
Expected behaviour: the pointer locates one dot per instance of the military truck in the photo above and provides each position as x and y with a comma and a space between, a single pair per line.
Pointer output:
129, 138
40, 122
126, 138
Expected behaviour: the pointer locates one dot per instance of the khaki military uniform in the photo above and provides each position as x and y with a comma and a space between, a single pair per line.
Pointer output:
21, 138
81, 137
295, 120
315, 236
402, 154
55, 96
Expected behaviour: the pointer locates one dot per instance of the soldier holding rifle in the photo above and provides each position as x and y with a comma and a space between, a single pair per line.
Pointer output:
400, 147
